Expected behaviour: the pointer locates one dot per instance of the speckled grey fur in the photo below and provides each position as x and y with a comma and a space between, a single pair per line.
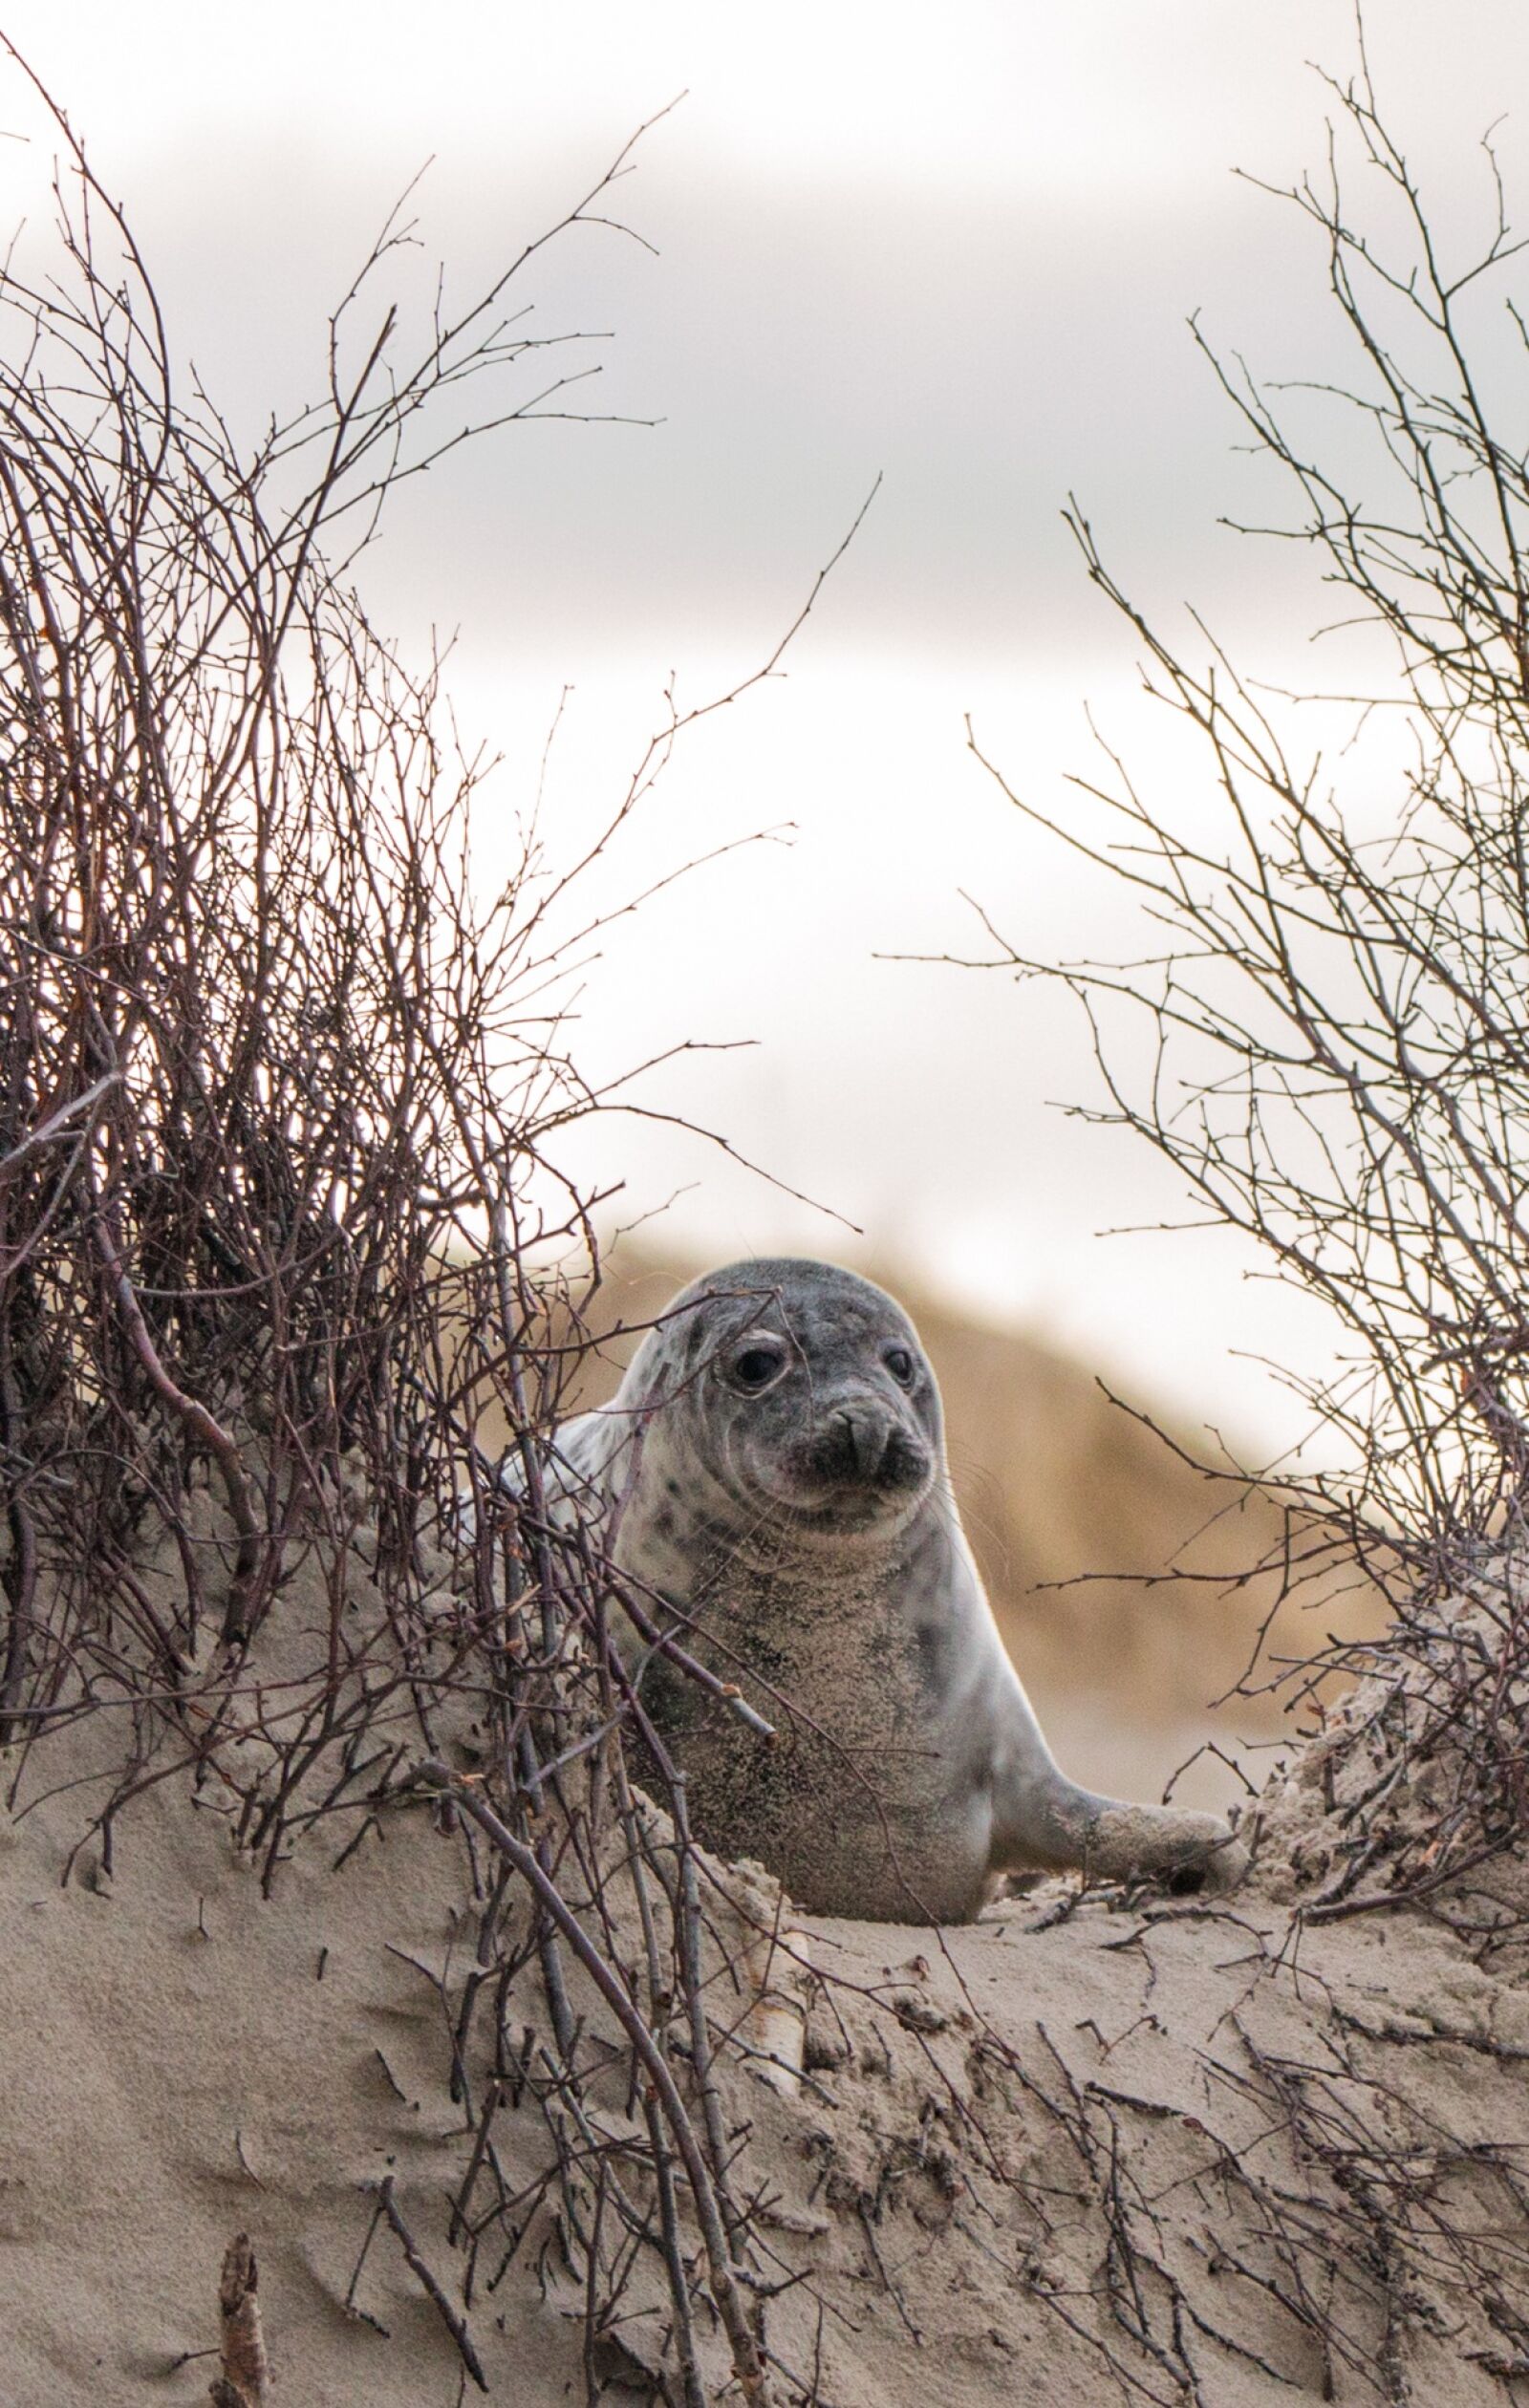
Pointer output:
804, 1542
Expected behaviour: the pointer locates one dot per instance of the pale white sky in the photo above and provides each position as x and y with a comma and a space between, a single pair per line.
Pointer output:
957, 246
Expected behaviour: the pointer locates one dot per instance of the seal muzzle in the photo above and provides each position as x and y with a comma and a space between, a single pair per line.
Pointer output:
860, 1444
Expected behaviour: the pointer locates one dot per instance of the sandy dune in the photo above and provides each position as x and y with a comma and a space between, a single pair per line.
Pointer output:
1075, 2150
1088, 2148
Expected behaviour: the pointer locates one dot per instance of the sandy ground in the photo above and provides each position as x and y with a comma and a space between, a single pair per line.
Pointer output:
1074, 2152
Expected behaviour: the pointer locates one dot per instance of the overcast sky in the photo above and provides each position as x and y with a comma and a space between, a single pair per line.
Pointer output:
956, 248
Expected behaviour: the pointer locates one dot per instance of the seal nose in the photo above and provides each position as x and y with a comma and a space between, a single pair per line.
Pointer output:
862, 1443
866, 1434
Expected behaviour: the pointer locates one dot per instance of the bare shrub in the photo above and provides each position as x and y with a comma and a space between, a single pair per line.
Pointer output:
1329, 1040
258, 1027
278, 1213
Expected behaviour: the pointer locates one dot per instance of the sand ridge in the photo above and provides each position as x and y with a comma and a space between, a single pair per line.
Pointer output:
1072, 2147
1089, 2146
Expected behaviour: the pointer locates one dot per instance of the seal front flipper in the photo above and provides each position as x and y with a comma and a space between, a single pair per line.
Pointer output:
582, 1466
1044, 1823
1039, 1821
1049, 1823
581, 1461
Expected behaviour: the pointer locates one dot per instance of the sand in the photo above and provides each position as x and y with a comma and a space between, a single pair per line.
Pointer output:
1086, 2149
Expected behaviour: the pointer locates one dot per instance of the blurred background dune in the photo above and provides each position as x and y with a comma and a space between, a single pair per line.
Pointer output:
1118, 1573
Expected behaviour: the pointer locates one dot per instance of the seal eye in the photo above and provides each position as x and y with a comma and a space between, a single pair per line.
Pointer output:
757, 1367
901, 1363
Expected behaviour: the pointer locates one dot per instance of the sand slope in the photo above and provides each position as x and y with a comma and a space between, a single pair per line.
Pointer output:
1056, 2155
1137, 2149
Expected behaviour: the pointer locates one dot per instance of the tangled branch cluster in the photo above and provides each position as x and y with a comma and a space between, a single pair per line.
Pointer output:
264, 1053
1331, 1046
278, 1223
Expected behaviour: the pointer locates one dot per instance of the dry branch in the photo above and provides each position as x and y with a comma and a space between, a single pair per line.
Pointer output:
455, 2324
244, 2380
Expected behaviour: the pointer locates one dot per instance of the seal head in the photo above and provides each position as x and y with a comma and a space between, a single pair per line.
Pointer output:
802, 1395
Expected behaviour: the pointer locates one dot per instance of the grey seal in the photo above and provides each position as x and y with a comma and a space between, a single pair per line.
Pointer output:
772, 1485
